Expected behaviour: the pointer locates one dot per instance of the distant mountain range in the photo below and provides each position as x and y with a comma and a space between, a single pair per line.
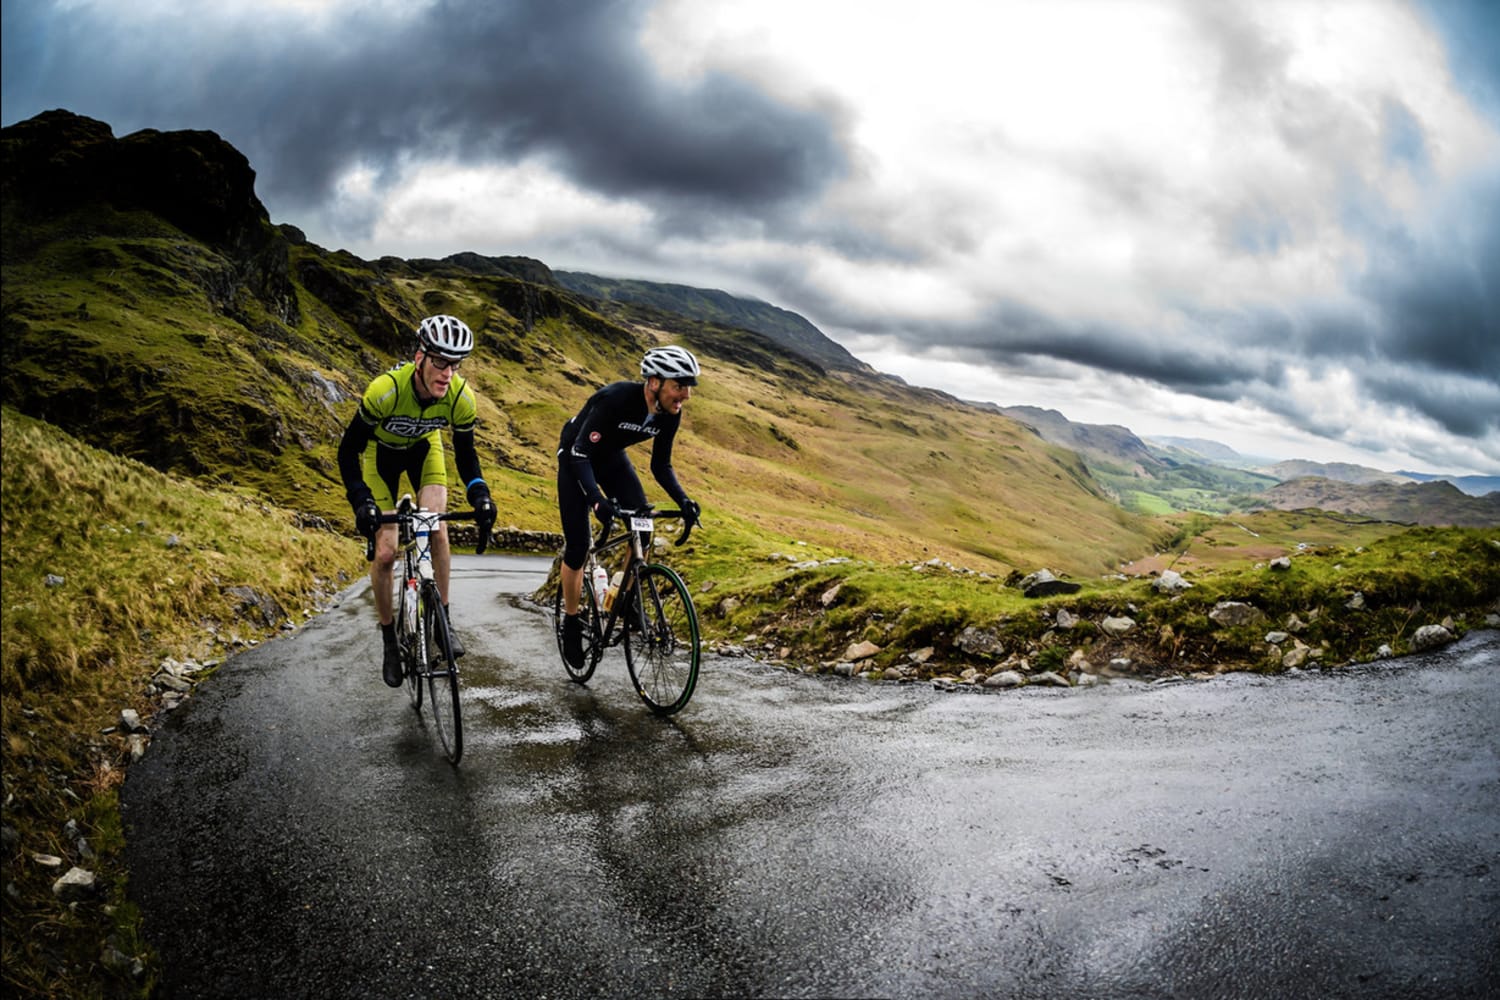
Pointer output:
1151, 476
1436, 502
1476, 486
1204, 448
1191, 464
1111, 443
1342, 472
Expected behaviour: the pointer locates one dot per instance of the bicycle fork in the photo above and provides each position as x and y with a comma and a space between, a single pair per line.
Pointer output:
410, 628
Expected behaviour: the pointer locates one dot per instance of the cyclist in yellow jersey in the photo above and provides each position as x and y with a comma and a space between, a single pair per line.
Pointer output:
398, 429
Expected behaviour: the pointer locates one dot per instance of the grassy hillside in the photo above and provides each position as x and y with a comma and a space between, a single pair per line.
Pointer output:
1184, 487
160, 369
809, 614
711, 306
109, 568
1142, 479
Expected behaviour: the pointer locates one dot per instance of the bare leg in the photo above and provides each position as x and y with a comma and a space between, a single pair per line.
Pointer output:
380, 572
572, 587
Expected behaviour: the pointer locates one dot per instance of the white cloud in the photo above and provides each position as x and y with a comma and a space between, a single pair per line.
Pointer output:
1082, 158
1144, 167
442, 208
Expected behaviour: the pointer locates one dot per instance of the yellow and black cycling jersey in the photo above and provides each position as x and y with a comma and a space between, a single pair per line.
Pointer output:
406, 431
398, 418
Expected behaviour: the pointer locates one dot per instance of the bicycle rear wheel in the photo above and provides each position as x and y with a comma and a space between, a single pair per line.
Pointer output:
441, 671
588, 611
409, 637
662, 659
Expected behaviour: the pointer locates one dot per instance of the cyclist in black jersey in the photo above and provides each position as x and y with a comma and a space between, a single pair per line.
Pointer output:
398, 429
593, 472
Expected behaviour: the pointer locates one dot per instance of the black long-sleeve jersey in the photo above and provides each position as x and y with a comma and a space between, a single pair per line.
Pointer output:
614, 418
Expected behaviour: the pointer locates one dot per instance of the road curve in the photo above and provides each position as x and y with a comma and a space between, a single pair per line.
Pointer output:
294, 831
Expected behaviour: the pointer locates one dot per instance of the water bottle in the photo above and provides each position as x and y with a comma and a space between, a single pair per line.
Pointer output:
614, 590
601, 580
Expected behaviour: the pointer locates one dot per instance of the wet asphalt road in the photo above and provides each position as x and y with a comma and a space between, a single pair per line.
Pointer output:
294, 831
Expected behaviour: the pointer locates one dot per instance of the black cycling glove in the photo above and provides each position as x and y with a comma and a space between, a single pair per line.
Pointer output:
690, 511
366, 517
479, 499
604, 508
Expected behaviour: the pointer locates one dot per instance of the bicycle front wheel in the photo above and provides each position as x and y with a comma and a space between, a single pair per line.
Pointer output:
441, 671
589, 615
662, 645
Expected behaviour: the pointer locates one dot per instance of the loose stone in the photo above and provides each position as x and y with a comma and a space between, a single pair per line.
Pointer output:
1431, 637
1004, 679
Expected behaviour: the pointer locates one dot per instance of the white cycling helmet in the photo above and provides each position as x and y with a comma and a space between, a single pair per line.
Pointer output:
671, 362
445, 336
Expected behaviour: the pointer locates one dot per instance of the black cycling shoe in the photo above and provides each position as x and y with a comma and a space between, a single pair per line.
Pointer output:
390, 668
573, 641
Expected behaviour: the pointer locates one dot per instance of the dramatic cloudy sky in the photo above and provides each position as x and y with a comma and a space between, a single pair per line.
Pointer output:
1276, 225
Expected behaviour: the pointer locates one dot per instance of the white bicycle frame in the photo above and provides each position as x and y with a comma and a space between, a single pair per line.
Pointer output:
424, 523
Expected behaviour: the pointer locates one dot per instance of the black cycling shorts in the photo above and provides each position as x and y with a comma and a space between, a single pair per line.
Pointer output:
616, 477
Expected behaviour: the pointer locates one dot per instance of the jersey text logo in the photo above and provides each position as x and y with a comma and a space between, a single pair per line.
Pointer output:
414, 427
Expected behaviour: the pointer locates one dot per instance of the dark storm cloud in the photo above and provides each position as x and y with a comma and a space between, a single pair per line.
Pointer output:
476, 80
1204, 366
1463, 408
1439, 294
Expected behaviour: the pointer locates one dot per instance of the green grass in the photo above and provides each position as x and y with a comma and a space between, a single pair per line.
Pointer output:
144, 561
748, 590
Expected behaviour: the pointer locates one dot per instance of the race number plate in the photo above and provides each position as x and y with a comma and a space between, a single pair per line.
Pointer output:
641, 524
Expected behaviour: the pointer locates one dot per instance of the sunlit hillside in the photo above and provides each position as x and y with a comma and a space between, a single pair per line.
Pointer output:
238, 360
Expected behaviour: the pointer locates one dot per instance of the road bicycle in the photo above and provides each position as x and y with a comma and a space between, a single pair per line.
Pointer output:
647, 609
422, 628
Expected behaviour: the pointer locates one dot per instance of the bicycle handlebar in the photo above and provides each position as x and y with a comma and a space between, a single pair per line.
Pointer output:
625, 514
406, 511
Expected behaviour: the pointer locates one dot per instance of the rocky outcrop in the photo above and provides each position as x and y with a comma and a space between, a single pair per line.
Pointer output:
528, 269
1232, 614
1081, 643
59, 162
353, 295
